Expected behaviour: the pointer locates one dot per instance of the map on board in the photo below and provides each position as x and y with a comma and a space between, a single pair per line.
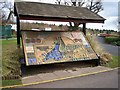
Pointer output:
53, 47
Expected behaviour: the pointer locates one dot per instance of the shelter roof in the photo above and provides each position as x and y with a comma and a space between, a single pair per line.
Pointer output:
53, 12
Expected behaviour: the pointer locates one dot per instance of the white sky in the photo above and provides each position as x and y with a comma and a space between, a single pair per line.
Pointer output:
110, 13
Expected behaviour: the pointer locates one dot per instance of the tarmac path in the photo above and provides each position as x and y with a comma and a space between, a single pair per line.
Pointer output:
102, 80
107, 47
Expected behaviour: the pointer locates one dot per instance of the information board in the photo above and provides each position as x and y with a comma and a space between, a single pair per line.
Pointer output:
53, 47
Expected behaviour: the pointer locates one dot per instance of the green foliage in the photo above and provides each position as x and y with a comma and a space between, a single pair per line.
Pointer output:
11, 82
113, 40
73, 28
9, 42
60, 25
114, 62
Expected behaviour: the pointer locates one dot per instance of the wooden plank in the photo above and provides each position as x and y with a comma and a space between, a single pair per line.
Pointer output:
28, 17
24, 48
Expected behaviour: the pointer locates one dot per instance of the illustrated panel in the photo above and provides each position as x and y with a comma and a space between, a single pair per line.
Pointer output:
53, 47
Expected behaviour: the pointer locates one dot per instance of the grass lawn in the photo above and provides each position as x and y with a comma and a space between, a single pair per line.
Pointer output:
9, 56
7, 42
10, 60
11, 82
114, 63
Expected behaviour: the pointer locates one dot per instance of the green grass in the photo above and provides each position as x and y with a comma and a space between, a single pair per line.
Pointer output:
7, 42
114, 62
10, 60
9, 56
113, 40
11, 82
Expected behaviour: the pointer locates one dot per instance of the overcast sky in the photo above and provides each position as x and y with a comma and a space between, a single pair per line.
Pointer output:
110, 13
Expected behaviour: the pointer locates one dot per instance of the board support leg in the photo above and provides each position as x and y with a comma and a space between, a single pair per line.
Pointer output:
97, 61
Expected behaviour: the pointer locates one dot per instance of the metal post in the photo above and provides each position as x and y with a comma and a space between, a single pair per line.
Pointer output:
84, 28
18, 32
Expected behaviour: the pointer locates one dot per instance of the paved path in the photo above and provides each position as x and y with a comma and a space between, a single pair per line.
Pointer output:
101, 80
109, 48
61, 74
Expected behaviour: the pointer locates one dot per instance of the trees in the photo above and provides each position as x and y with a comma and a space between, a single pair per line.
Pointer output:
2, 14
6, 9
93, 5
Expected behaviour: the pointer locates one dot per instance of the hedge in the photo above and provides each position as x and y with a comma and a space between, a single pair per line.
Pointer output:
113, 40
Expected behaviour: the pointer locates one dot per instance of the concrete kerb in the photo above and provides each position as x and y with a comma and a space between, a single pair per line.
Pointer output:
58, 79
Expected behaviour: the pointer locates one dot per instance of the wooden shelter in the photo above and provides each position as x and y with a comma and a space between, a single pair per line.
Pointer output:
53, 12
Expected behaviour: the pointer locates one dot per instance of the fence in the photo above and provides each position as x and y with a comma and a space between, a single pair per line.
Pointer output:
5, 31
12, 75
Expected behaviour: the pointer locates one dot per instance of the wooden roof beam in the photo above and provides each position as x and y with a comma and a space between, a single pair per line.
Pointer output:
26, 17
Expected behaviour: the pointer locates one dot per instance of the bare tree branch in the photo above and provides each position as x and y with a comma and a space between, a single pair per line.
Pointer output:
9, 6
2, 14
66, 3
81, 3
4, 6
93, 5
58, 1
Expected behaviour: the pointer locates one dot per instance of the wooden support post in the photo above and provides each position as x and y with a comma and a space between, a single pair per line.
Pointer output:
18, 32
84, 28
97, 61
